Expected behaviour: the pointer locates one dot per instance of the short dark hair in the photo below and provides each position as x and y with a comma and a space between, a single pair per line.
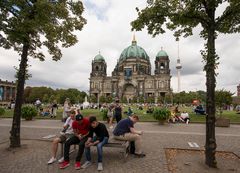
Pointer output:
92, 119
135, 116
72, 112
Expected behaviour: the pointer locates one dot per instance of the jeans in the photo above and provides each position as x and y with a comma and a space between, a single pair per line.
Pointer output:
71, 141
99, 150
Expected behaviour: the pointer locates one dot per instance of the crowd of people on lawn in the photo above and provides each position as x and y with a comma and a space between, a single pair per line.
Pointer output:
88, 131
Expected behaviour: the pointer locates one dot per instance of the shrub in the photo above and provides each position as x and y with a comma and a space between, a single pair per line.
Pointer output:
2, 111
161, 114
104, 114
28, 112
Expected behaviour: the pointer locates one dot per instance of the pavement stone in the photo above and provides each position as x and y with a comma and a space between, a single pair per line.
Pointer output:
34, 153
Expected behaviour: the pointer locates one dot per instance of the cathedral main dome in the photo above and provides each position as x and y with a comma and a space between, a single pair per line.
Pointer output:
134, 52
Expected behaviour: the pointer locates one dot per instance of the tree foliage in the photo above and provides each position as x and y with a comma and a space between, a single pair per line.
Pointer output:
188, 97
40, 23
223, 98
181, 16
29, 27
48, 95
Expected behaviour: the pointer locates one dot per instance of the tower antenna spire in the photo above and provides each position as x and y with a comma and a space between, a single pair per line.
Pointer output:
178, 67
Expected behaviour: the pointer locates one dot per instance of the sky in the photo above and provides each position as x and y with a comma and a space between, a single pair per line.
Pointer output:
108, 31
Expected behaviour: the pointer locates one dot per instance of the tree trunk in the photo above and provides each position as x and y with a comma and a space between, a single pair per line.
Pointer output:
210, 146
15, 131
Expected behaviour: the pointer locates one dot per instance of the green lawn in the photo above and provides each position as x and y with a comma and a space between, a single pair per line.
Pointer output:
234, 118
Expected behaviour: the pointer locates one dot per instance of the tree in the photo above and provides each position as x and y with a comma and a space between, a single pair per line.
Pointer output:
27, 92
93, 99
141, 99
150, 99
182, 16
124, 100
29, 25
102, 99
39, 93
223, 98
109, 99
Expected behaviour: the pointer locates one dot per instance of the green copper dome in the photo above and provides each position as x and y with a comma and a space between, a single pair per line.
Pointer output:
162, 53
99, 58
133, 51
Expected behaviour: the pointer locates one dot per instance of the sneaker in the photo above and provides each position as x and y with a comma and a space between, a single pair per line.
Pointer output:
61, 160
52, 160
64, 164
100, 166
140, 155
77, 165
86, 164
62, 133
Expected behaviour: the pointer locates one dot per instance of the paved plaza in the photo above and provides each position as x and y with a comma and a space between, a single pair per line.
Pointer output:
35, 152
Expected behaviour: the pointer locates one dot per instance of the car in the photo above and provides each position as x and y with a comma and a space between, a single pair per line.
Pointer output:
199, 110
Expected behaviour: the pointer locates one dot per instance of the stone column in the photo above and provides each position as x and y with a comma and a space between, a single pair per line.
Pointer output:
1, 89
4, 93
10, 93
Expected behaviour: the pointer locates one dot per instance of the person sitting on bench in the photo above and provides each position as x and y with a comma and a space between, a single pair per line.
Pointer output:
65, 135
100, 139
81, 131
125, 131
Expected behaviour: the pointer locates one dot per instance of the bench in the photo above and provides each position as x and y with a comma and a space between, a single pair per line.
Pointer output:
124, 145
113, 143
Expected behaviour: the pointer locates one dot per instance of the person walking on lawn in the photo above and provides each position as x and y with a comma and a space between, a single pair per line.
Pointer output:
100, 139
81, 131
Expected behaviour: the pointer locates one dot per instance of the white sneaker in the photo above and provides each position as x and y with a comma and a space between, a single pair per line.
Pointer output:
86, 164
61, 160
62, 133
52, 160
100, 166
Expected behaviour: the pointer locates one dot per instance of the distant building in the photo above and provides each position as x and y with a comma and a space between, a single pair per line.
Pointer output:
238, 90
131, 76
7, 91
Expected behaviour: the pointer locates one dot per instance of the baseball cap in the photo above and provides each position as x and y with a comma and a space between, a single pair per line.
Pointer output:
79, 117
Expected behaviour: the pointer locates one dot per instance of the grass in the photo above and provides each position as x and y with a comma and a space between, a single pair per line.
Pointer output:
144, 117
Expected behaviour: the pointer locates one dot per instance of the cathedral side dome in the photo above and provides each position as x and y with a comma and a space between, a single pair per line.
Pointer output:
133, 51
98, 58
162, 53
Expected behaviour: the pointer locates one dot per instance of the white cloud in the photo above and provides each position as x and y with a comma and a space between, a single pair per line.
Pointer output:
108, 30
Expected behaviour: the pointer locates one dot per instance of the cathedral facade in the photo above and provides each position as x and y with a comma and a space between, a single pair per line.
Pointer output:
131, 76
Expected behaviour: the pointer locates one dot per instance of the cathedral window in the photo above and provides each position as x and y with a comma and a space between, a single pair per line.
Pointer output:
162, 66
128, 72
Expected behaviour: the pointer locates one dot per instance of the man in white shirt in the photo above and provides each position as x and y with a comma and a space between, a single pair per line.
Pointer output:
65, 135
185, 117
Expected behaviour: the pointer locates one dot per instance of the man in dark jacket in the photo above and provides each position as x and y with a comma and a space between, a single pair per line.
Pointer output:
100, 139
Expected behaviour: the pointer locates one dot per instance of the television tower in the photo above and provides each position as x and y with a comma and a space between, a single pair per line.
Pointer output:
178, 67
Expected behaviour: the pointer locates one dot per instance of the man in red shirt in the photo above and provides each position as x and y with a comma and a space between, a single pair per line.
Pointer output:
81, 131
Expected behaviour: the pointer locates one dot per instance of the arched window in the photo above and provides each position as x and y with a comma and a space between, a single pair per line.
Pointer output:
97, 68
162, 66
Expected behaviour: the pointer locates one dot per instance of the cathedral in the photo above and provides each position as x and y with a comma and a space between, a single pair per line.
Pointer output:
131, 76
